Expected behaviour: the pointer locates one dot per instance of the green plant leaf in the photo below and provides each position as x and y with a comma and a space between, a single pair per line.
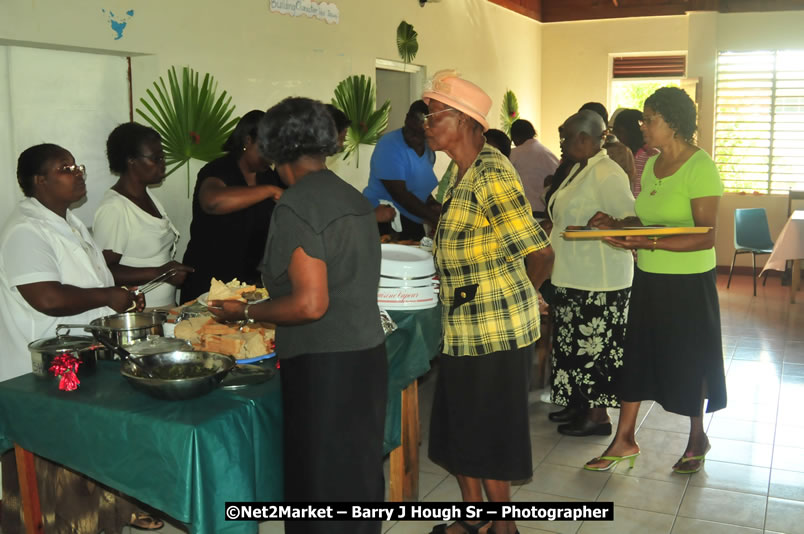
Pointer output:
192, 119
406, 42
356, 98
509, 111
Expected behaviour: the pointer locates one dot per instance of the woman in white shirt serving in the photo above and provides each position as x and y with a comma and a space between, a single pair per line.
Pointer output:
131, 226
593, 282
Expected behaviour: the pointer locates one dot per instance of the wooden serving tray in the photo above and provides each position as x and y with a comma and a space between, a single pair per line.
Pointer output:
649, 231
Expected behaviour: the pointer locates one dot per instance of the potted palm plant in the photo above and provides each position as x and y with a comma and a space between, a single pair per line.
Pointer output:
355, 96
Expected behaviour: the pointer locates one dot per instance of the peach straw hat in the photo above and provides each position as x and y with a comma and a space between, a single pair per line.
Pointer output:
449, 88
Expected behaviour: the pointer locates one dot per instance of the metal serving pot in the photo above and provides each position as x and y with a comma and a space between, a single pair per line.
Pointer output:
85, 348
128, 328
178, 375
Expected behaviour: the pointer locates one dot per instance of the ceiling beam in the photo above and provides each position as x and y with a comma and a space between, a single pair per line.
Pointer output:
529, 8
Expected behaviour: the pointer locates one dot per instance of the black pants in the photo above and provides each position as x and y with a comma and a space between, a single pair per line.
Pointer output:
410, 230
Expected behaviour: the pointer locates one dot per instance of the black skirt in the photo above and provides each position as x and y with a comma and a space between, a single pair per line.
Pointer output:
479, 425
673, 347
334, 419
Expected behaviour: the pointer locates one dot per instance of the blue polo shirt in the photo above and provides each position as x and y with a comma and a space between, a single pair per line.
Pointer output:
392, 160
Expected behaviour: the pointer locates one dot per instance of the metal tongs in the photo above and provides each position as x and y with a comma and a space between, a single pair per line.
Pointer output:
156, 282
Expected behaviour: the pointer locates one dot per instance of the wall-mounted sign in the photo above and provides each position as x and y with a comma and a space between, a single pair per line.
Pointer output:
326, 11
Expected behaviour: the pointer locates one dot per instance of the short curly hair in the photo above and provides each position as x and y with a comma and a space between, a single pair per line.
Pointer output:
124, 143
676, 108
32, 163
297, 127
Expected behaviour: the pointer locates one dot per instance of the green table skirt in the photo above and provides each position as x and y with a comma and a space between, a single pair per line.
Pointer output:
186, 458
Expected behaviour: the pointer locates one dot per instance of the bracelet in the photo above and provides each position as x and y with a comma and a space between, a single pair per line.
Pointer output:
653, 244
245, 312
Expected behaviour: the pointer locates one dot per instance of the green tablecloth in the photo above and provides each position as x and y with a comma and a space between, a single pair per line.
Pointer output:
410, 349
186, 458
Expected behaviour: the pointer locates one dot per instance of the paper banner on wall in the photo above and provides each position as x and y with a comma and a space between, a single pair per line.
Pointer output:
118, 23
326, 11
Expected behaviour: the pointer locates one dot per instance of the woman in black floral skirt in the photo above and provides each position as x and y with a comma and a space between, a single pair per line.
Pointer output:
592, 280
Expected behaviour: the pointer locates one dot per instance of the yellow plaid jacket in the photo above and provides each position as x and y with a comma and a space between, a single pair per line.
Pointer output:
485, 231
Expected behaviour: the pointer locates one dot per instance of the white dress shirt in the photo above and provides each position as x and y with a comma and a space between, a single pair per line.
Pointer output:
36, 245
591, 264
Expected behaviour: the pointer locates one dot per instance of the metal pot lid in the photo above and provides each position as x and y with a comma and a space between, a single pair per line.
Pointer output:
62, 343
157, 345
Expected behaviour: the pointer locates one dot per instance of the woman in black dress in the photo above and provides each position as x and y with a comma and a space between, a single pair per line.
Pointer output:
232, 204
322, 267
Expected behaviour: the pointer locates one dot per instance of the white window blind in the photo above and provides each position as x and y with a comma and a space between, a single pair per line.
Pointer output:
759, 120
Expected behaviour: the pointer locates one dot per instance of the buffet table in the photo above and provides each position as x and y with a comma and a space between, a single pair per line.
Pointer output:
187, 458
789, 246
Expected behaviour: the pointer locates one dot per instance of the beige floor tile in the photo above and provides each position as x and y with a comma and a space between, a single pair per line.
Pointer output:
527, 530
793, 369
788, 458
790, 416
574, 454
722, 506
785, 516
446, 491
789, 436
540, 447
562, 527
732, 477
762, 343
428, 482
643, 494
758, 354
740, 452
685, 525
426, 465
787, 485
658, 419
661, 441
272, 527
736, 429
566, 481
654, 466
762, 413
630, 521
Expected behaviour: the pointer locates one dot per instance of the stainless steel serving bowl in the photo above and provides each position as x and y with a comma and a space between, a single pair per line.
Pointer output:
203, 372
128, 328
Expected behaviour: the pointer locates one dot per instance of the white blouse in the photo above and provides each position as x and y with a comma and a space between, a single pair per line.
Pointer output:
591, 264
37, 245
140, 238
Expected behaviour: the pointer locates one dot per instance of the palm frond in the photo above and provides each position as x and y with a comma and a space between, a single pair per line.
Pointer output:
355, 96
192, 119
509, 111
406, 42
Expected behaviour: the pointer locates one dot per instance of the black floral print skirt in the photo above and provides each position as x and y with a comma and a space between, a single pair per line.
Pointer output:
588, 339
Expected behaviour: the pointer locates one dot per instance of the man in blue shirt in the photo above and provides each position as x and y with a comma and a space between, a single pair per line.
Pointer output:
402, 172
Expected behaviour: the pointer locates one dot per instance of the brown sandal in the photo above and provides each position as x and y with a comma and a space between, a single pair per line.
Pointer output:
145, 521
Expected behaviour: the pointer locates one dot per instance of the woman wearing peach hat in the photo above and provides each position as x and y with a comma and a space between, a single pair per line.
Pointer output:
490, 308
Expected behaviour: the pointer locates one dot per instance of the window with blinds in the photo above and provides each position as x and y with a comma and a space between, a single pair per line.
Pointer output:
759, 120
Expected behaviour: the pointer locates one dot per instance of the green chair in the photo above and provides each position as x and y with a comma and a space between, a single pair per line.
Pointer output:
751, 235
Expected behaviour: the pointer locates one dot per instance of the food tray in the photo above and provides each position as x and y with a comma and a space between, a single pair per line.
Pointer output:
649, 231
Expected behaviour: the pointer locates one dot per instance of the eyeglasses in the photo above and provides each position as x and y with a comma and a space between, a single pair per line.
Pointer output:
72, 169
156, 158
425, 118
646, 120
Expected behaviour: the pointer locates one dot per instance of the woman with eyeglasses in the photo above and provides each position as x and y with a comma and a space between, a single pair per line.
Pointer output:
232, 204
51, 272
491, 256
673, 349
131, 226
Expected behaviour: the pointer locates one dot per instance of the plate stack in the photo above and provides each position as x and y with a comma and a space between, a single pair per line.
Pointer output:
406, 279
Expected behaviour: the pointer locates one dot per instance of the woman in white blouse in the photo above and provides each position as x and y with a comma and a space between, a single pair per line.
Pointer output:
592, 280
131, 226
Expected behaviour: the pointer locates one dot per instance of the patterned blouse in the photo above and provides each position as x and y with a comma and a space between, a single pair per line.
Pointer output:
486, 229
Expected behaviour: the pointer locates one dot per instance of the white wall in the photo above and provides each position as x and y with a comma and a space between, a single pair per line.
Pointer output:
260, 57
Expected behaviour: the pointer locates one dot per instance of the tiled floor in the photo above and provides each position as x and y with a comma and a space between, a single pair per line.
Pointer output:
753, 479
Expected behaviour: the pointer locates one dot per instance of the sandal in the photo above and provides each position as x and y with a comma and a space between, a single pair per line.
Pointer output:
145, 521
468, 527
701, 458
